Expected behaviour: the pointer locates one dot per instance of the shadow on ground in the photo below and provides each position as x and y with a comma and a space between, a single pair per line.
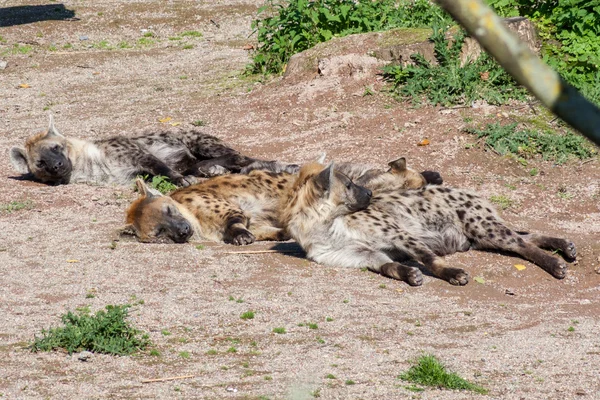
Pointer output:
20, 15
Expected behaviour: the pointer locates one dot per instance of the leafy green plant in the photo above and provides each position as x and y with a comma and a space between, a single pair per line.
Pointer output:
570, 33
286, 27
279, 330
106, 331
162, 184
448, 82
527, 143
429, 371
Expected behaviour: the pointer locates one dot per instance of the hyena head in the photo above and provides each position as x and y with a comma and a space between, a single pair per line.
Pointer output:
411, 179
155, 218
328, 192
45, 156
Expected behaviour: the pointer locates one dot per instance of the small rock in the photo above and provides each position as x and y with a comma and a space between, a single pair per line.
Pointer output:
83, 37
85, 355
509, 292
597, 269
580, 392
230, 389
3, 64
95, 198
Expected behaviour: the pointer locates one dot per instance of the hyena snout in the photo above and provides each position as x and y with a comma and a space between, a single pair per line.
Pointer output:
362, 198
181, 231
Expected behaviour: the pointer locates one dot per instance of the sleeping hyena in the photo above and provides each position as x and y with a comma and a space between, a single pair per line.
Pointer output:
240, 209
339, 223
177, 154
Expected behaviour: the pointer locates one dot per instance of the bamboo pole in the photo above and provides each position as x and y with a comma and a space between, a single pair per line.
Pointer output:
518, 60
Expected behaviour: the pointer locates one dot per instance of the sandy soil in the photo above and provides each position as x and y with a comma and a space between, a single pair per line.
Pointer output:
92, 72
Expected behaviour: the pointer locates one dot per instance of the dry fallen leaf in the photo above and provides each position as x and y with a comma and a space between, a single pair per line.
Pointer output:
166, 119
248, 47
485, 75
175, 123
23, 86
520, 267
479, 279
72, 261
424, 142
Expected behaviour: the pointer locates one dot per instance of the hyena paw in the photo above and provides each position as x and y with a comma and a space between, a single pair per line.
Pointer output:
242, 238
570, 251
559, 270
456, 276
217, 170
433, 177
414, 276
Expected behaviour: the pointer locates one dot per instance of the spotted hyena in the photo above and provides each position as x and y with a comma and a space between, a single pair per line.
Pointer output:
177, 154
339, 223
240, 209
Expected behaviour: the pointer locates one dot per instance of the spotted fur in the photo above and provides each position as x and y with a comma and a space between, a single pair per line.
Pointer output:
419, 224
177, 154
239, 209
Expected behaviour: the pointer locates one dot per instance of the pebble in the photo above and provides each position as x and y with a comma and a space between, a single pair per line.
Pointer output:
85, 355
3, 64
230, 389
83, 37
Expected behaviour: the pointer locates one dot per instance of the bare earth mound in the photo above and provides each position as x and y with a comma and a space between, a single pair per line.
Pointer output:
118, 67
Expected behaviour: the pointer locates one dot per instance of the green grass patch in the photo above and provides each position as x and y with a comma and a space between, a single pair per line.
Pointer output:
16, 206
429, 371
449, 83
145, 41
501, 201
527, 143
194, 34
279, 330
247, 315
188, 46
160, 183
287, 27
18, 49
106, 331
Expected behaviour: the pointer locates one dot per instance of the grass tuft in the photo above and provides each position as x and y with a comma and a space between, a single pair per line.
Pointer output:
428, 371
449, 83
106, 331
529, 143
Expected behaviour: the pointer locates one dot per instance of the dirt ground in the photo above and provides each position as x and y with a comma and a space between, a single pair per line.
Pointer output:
520, 333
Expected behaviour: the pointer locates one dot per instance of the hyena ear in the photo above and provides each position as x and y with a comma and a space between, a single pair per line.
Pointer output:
321, 158
398, 165
18, 159
52, 131
146, 191
325, 178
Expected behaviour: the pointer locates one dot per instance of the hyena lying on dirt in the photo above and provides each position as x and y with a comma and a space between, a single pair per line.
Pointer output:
240, 209
339, 223
178, 154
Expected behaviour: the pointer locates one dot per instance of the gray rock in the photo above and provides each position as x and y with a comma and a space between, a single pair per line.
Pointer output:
3, 64
85, 356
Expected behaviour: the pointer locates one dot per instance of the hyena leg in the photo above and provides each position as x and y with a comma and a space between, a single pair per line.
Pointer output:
566, 247
152, 165
395, 270
215, 166
270, 233
500, 237
236, 230
380, 262
434, 263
